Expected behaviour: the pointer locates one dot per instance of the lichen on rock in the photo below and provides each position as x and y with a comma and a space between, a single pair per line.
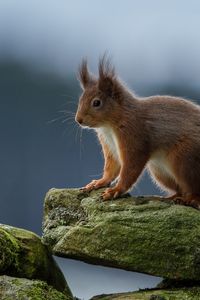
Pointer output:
144, 234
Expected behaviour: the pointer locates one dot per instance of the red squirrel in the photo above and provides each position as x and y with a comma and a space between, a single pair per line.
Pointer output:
160, 133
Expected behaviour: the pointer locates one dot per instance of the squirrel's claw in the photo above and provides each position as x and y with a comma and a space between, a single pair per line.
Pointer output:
111, 193
95, 184
90, 186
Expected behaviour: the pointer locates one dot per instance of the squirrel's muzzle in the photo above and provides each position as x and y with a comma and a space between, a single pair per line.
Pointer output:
79, 120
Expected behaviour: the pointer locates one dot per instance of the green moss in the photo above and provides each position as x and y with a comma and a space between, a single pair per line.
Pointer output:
142, 234
23, 289
23, 255
9, 251
40, 290
174, 294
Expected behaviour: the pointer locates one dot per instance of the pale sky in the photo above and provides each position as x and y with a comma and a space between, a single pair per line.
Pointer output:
148, 40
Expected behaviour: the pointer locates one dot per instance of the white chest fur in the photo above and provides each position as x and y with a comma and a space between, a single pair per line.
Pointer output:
110, 139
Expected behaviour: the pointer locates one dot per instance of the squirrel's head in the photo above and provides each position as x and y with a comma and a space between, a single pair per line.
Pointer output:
100, 97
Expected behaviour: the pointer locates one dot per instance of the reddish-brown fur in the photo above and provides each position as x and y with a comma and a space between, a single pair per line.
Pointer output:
161, 133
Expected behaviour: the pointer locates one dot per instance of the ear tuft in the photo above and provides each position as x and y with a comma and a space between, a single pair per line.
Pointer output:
105, 67
84, 76
106, 76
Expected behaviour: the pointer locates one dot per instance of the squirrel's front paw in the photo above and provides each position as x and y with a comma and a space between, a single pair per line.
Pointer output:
111, 193
96, 184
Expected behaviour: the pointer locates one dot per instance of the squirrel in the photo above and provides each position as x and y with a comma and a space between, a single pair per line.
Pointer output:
159, 133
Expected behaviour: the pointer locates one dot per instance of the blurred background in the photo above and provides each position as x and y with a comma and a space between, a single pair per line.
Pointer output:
155, 48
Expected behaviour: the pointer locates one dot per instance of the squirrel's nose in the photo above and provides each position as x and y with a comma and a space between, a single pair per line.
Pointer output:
79, 120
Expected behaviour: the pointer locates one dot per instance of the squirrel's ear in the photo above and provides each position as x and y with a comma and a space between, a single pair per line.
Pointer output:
107, 76
85, 78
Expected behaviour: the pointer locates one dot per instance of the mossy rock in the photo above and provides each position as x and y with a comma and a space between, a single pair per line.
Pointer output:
173, 294
143, 234
22, 254
26, 289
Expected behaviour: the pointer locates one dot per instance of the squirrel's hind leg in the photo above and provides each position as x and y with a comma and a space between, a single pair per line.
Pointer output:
164, 182
186, 165
169, 185
189, 199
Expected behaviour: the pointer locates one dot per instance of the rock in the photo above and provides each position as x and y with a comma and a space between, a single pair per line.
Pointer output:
173, 294
143, 234
25, 289
23, 255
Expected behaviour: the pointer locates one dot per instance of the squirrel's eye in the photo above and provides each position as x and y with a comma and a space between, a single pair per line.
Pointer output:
96, 103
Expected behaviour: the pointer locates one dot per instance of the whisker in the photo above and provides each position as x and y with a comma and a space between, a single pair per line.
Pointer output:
67, 119
72, 128
67, 112
81, 144
70, 122
77, 132
70, 113
54, 120
69, 103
